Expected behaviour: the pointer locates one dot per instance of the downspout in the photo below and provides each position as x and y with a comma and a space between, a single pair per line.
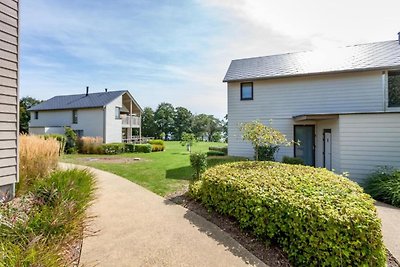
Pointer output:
385, 90
104, 124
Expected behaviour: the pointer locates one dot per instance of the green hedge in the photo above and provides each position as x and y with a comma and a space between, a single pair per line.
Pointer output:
290, 160
113, 148
157, 145
219, 149
143, 148
156, 142
384, 185
317, 217
215, 153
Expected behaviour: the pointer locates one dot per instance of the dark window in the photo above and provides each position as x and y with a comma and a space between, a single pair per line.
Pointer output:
79, 133
36, 115
394, 89
75, 116
117, 113
246, 91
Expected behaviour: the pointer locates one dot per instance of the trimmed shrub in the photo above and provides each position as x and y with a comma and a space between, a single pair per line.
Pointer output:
317, 217
157, 148
198, 161
143, 148
291, 160
37, 158
215, 153
90, 145
113, 148
157, 145
156, 142
129, 148
384, 185
267, 153
219, 149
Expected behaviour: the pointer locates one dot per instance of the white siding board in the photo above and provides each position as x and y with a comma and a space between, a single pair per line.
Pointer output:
7, 117
11, 100
8, 46
8, 81
8, 73
8, 64
8, 126
7, 153
7, 91
369, 141
8, 19
7, 162
7, 171
8, 108
8, 135
8, 38
8, 9
4, 144
10, 3
8, 55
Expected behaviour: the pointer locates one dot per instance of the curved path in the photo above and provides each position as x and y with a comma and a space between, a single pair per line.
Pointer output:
135, 227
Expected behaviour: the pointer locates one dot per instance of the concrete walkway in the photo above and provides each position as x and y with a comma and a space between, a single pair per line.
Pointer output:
139, 228
390, 217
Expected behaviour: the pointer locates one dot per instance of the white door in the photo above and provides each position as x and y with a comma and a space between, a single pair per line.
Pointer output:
328, 149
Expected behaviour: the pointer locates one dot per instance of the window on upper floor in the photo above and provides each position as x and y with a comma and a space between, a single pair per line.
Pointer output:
117, 113
246, 91
394, 89
36, 115
75, 116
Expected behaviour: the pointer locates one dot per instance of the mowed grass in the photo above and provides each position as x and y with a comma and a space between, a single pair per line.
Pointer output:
161, 172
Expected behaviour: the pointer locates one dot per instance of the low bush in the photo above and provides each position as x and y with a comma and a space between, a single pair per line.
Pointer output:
156, 142
37, 158
129, 148
113, 148
157, 145
61, 139
49, 217
157, 148
198, 161
291, 160
384, 185
219, 149
317, 217
90, 145
267, 153
215, 153
143, 148
71, 146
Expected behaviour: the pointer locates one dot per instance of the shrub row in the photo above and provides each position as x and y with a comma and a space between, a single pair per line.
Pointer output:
143, 148
291, 160
317, 217
215, 153
94, 145
224, 149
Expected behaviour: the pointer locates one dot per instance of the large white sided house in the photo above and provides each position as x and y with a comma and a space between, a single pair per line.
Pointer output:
111, 115
343, 105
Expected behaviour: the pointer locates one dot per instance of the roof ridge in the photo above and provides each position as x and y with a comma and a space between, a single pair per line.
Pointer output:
92, 93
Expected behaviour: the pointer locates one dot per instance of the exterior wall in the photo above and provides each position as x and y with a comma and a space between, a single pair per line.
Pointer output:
9, 44
368, 141
89, 120
281, 99
113, 126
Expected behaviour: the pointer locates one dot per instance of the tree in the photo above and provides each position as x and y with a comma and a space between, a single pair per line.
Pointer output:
188, 139
149, 127
261, 135
26, 103
164, 119
183, 122
224, 128
205, 126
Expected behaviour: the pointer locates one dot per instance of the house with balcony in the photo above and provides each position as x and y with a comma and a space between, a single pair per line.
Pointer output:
340, 105
114, 116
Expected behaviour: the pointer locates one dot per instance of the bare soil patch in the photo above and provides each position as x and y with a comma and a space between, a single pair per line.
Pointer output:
113, 160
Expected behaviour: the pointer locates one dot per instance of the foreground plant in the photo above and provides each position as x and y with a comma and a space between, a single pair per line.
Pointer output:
384, 185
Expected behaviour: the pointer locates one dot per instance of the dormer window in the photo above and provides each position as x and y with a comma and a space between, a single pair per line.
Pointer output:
394, 89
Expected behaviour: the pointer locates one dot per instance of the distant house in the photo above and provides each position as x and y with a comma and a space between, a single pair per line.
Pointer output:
343, 105
114, 115
9, 68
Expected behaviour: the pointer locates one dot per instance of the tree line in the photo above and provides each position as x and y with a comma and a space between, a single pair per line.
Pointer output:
169, 122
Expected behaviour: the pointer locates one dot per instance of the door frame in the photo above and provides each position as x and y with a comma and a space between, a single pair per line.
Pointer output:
323, 142
295, 139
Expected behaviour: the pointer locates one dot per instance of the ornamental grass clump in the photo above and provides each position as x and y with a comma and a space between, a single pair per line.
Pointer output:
384, 185
37, 158
317, 217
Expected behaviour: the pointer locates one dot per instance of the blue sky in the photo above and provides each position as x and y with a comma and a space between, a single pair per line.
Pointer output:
178, 51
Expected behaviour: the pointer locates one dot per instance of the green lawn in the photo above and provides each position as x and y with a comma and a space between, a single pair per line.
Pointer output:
161, 172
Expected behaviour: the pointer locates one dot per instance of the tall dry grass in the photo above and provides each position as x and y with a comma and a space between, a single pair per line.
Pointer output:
37, 158
90, 145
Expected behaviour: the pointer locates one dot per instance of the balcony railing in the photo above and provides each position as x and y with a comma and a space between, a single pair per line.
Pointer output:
126, 121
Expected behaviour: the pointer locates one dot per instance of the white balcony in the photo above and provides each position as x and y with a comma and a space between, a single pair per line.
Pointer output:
130, 121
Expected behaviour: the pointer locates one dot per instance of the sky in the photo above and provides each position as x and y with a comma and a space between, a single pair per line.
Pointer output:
178, 51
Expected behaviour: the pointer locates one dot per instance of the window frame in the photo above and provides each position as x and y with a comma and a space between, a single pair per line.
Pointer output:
241, 91
36, 115
74, 116
397, 73
119, 113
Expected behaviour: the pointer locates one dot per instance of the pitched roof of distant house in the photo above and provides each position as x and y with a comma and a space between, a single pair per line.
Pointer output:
92, 100
372, 56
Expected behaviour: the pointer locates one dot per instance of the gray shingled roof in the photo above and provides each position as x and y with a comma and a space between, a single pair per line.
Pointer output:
381, 55
78, 101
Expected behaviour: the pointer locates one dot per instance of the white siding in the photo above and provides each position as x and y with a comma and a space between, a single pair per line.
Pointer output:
113, 126
89, 120
368, 141
281, 99
8, 94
